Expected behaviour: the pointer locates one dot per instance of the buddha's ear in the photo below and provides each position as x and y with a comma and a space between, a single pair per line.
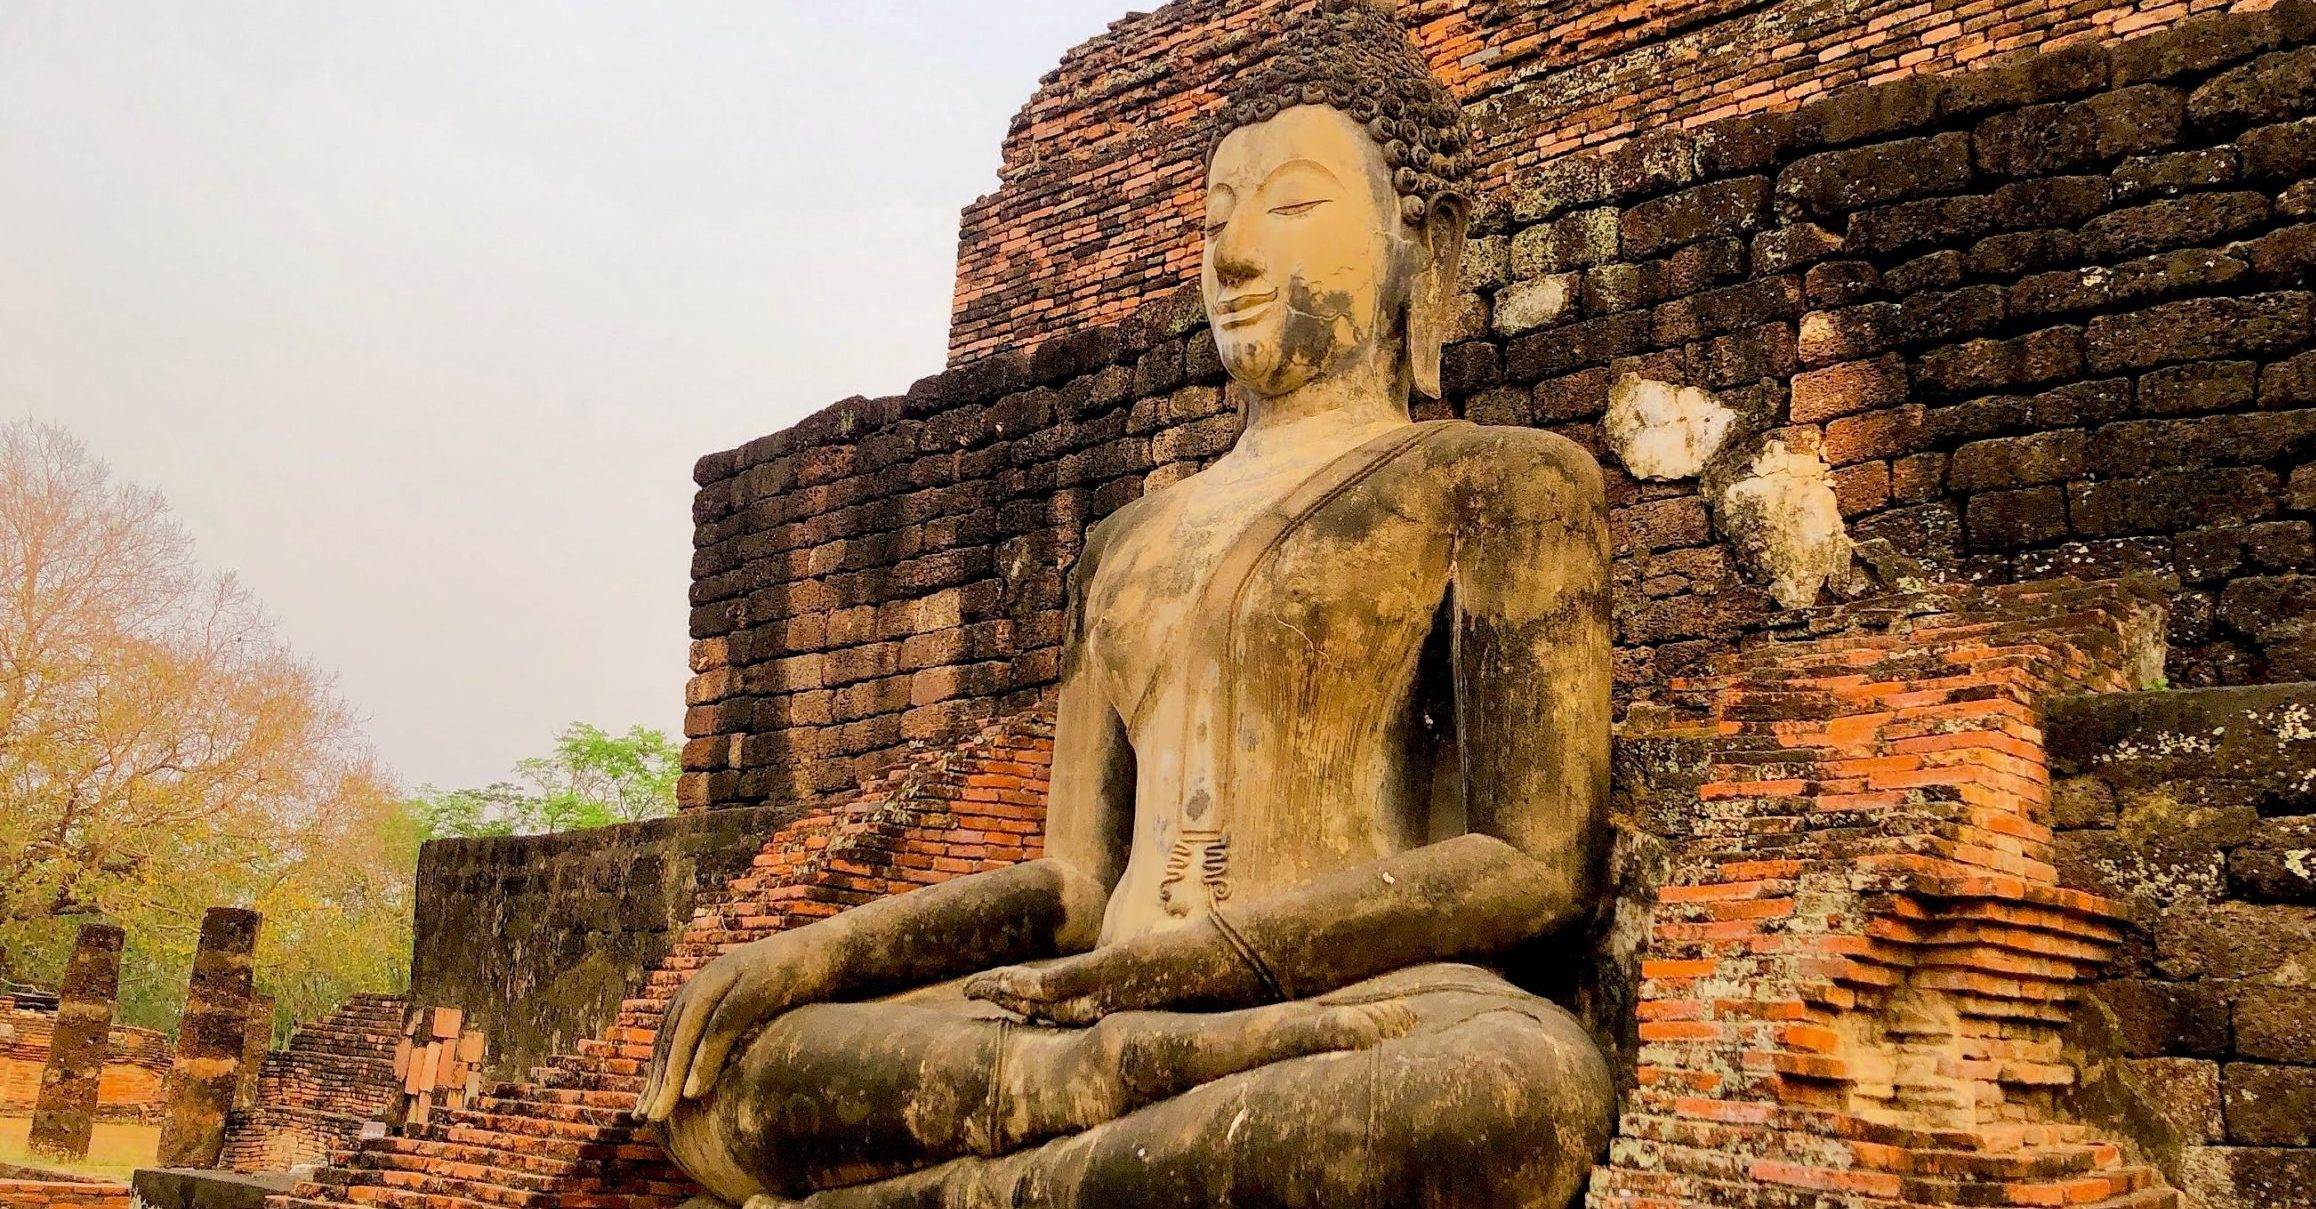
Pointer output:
1431, 309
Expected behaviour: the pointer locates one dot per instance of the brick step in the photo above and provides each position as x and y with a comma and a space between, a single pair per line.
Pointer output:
2048, 1162
534, 1093
2073, 1190
2157, 1197
416, 1195
488, 1185
415, 1154
598, 1115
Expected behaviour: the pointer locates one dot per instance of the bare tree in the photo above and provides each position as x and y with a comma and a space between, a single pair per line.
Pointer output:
160, 749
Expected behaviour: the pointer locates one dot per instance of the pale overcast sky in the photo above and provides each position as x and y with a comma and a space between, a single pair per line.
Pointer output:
419, 312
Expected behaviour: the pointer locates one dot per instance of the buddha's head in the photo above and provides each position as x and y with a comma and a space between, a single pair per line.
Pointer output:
1334, 214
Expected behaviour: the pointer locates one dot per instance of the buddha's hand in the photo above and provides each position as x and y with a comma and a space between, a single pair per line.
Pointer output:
718, 1007
1193, 965
1073, 991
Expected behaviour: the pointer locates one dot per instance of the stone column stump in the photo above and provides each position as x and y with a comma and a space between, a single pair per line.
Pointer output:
66, 1110
211, 1037
259, 1043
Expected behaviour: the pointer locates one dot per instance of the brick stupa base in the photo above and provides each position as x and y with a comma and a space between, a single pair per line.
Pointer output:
1860, 970
1852, 991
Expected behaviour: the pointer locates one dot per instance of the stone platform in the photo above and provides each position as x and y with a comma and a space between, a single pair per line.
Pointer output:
172, 1189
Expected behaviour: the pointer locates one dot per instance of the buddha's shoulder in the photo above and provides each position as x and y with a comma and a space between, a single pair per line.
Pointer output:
1499, 460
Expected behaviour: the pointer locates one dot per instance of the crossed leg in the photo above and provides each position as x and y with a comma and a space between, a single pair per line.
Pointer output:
1440, 1086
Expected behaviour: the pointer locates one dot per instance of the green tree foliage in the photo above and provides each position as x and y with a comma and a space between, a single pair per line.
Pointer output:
593, 778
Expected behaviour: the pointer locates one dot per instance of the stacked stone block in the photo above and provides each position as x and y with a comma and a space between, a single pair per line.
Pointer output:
2196, 811
314, 1096
2045, 318
1102, 177
65, 1115
211, 1034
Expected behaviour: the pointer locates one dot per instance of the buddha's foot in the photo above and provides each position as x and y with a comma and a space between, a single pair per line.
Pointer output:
1173, 1054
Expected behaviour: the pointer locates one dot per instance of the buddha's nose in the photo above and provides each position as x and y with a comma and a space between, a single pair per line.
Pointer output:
1233, 266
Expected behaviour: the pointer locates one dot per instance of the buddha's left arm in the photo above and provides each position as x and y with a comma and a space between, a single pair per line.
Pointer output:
1531, 652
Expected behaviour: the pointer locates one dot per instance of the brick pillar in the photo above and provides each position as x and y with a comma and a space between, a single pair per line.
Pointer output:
259, 1042
210, 1039
66, 1110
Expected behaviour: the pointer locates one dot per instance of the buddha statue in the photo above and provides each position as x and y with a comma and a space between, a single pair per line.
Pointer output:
1330, 769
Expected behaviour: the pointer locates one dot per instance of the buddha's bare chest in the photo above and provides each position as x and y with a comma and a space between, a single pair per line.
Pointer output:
1207, 565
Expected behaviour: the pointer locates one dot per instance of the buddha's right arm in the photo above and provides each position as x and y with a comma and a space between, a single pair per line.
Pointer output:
1044, 908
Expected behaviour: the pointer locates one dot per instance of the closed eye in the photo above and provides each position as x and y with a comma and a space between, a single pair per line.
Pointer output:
1295, 208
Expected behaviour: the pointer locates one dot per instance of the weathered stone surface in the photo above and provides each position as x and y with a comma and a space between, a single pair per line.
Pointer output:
2269, 944
2276, 1024
2199, 330
2040, 140
64, 1116
2168, 1018
164, 1189
1786, 522
211, 1036
2186, 1091
1846, 388
2270, 1105
2243, 1177
1526, 305
1833, 182
1653, 228
2277, 863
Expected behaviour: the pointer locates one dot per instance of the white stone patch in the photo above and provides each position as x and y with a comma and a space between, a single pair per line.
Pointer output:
1786, 523
1663, 431
1527, 305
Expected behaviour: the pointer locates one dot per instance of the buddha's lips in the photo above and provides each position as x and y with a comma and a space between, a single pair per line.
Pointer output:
1245, 308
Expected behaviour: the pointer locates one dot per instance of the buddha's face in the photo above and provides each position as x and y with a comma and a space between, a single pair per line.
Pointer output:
1306, 262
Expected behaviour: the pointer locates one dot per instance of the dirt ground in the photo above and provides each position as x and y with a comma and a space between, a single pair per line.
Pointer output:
113, 1152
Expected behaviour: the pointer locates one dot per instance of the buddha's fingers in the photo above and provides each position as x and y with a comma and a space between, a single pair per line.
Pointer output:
765, 1200
673, 1062
745, 1001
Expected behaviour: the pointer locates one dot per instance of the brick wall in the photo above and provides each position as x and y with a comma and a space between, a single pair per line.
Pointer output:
1861, 966
314, 1095
136, 1061
1102, 180
2044, 318
537, 938
2195, 810
40, 1194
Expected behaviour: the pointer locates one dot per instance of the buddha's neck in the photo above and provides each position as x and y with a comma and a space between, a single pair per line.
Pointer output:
1356, 401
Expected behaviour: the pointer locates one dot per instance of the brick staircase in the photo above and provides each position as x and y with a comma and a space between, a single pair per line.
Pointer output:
562, 1138
313, 1096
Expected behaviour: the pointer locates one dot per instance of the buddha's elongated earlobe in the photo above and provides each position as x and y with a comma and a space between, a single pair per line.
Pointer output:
1431, 304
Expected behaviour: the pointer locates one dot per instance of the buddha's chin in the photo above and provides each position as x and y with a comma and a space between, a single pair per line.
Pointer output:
1262, 365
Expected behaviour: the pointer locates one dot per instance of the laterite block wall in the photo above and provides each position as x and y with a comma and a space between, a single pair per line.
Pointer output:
2196, 811
1101, 183
2049, 317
